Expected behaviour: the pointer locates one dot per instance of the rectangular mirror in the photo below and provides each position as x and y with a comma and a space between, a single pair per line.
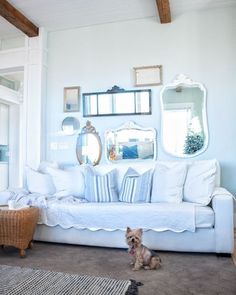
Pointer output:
117, 101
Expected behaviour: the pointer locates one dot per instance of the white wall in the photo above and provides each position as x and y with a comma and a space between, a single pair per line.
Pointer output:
201, 45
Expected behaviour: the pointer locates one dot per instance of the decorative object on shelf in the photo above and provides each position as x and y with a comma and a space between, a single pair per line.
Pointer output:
117, 101
70, 125
130, 142
148, 76
184, 118
72, 99
89, 146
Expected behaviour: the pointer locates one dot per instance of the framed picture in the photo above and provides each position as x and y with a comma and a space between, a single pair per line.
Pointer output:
71, 99
148, 76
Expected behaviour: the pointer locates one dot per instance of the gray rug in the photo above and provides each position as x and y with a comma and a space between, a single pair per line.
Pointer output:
27, 281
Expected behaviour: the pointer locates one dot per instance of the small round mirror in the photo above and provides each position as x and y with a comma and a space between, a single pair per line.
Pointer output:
88, 147
70, 125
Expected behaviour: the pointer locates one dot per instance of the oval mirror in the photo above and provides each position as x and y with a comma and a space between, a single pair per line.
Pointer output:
184, 118
70, 125
88, 147
130, 142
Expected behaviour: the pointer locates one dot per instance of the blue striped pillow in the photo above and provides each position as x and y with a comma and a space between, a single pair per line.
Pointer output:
100, 188
136, 188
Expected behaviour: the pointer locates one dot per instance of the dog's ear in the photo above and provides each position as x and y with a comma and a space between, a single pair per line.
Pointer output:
140, 232
128, 230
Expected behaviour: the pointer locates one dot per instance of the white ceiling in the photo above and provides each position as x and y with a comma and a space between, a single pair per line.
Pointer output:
65, 14
7, 30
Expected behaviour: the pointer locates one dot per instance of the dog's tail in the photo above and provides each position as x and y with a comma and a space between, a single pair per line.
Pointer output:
154, 254
159, 259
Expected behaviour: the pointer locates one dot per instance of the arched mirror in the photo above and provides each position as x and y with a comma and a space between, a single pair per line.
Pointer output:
70, 125
88, 147
184, 118
130, 142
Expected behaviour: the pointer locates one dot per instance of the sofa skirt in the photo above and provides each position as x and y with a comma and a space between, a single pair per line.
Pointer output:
203, 240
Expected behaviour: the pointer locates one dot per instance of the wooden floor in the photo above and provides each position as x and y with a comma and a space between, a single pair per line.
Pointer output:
234, 254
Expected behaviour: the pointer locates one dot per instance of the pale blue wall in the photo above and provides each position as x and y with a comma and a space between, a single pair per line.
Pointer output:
201, 45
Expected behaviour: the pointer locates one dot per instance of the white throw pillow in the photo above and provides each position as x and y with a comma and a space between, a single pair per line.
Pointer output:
39, 183
168, 182
45, 164
200, 182
70, 180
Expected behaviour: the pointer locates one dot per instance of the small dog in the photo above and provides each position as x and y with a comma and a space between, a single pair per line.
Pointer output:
142, 256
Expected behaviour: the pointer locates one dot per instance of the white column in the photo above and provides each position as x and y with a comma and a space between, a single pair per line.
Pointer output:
34, 100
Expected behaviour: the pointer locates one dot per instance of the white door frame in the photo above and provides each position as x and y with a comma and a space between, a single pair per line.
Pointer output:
11, 98
32, 59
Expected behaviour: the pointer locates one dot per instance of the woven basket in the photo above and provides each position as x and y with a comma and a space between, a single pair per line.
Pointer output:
17, 227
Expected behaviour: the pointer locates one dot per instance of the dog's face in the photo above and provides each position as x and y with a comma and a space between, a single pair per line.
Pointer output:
134, 237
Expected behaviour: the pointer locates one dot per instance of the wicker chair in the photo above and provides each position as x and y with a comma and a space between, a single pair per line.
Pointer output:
17, 228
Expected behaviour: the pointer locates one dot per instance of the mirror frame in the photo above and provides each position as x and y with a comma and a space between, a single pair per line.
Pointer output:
131, 125
90, 129
116, 90
183, 81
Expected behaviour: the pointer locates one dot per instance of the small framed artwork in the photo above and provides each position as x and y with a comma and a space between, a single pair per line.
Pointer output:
148, 76
72, 99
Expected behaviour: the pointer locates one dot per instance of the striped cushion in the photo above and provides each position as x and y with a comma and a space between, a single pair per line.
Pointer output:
100, 188
136, 188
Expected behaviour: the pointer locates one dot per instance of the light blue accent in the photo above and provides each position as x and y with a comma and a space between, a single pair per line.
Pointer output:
4, 153
136, 188
100, 188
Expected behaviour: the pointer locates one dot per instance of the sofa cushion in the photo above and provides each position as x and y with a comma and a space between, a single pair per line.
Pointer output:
39, 183
200, 182
205, 217
139, 167
168, 182
113, 216
100, 188
135, 187
71, 180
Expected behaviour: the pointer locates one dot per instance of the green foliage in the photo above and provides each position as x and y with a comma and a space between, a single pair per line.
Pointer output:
193, 143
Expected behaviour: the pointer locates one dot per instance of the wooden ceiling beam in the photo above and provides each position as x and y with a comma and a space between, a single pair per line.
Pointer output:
17, 19
164, 11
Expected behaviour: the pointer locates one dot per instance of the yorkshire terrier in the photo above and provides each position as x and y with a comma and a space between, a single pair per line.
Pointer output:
142, 256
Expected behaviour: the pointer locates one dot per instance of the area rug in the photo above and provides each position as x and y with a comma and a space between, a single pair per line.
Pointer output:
27, 281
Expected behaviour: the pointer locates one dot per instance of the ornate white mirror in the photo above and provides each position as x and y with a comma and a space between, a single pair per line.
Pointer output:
184, 118
88, 147
130, 142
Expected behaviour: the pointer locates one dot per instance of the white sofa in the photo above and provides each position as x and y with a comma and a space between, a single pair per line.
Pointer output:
214, 225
